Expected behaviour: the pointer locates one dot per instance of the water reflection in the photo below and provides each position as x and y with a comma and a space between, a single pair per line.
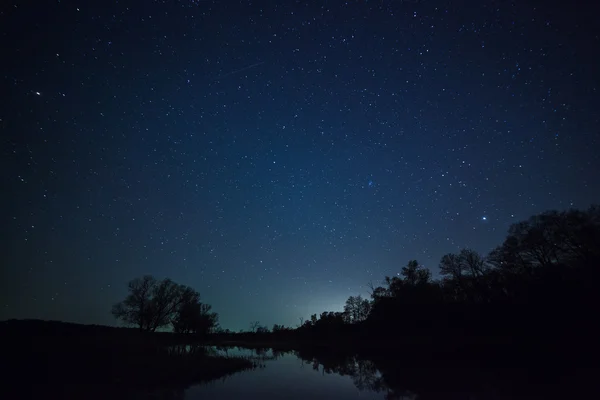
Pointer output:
312, 374
364, 373
283, 375
306, 374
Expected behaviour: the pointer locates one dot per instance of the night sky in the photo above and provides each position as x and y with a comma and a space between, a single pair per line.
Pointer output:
278, 156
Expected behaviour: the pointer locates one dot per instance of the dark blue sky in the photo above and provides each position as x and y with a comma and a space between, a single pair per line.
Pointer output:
278, 156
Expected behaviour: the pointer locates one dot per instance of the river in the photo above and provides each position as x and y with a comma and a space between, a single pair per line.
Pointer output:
282, 376
310, 374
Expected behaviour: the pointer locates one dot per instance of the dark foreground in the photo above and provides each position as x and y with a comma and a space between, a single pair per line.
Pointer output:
422, 371
57, 360
68, 360
318, 373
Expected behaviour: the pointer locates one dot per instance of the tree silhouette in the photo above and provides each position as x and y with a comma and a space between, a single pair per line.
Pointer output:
463, 275
136, 309
186, 318
313, 319
536, 287
356, 309
153, 304
262, 329
414, 274
550, 238
195, 317
168, 297
254, 325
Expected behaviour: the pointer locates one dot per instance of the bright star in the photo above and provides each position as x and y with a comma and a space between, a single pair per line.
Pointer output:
484, 218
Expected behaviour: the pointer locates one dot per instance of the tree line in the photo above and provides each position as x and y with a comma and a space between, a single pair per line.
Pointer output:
540, 281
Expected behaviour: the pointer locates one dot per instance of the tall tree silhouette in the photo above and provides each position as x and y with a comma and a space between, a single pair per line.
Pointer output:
153, 304
463, 275
414, 274
356, 309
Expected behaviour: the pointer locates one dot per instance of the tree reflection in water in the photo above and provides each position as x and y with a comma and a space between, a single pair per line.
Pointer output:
398, 382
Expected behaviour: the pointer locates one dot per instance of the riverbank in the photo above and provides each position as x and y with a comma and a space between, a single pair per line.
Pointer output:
49, 352
82, 361
489, 350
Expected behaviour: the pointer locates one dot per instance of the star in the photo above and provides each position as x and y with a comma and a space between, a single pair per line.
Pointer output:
265, 166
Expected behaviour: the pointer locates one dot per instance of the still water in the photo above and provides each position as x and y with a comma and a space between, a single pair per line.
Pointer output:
286, 376
311, 375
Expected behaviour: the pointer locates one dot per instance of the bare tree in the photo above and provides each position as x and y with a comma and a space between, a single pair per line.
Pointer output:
254, 325
464, 275
550, 238
136, 309
452, 266
195, 317
167, 298
371, 288
473, 262
153, 304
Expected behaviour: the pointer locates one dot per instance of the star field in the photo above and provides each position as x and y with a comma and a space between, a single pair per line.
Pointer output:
278, 156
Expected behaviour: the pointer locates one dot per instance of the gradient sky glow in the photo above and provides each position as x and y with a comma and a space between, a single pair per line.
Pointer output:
278, 156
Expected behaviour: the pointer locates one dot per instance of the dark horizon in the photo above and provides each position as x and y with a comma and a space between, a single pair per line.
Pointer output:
278, 158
